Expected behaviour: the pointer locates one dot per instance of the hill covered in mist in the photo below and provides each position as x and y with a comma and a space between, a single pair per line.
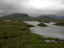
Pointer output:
25, 17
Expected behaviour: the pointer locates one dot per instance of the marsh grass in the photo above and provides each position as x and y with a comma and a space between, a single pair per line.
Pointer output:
18, 35
47, 21
42, 25
60, 24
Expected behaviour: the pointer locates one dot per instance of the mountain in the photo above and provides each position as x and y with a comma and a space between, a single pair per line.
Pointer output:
16, 16
61, 17
56, 17
45, 17
25, 17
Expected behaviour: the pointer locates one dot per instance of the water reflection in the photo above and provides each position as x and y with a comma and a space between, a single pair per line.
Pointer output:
50, 31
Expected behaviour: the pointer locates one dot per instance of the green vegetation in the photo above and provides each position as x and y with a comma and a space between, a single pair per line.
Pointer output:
60, 24
18, 35
30, 26
42, 25
47, 21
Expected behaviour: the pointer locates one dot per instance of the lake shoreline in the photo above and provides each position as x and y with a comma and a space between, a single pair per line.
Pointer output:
18, 35
51, 27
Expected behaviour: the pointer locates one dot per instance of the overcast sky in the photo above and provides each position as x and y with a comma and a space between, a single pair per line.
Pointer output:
32, 7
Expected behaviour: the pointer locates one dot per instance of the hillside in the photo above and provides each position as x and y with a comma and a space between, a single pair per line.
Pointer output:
61, 17
25, 17
45, 18
56, 17
16, 17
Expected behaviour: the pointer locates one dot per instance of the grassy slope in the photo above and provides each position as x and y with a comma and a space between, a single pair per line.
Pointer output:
18, 35
60, 24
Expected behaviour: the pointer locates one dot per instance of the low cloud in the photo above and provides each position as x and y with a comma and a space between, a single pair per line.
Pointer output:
21, 6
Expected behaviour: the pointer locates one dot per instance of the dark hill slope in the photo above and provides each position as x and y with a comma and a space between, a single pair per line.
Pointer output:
16, 17
25, 17
45, 18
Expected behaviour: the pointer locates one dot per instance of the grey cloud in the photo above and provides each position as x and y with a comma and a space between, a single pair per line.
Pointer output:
18, 6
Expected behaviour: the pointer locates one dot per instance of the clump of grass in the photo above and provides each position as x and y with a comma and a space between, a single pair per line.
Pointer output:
60, 24
47, 21
30, 26
42, 25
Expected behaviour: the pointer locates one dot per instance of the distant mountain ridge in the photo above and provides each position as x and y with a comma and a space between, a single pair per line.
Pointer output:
25, 17
45, 17
61, 17
56, 17
16, 16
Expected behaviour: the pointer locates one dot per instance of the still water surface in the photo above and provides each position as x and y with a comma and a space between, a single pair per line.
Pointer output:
50, 31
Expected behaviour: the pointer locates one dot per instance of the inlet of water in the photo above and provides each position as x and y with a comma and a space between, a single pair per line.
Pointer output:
50, 31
